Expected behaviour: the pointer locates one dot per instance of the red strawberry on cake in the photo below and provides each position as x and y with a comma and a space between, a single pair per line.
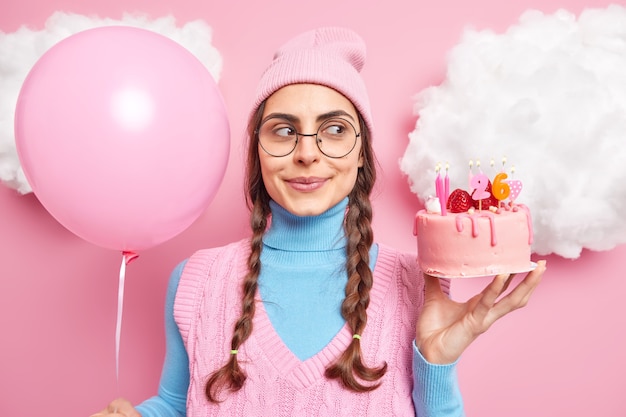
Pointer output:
459, 201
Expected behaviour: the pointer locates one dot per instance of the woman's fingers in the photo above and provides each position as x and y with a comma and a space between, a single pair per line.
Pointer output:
487, 298
490, 307
118, 408
519, 296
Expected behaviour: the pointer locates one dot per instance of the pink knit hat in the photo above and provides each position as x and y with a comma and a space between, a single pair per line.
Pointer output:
330, 56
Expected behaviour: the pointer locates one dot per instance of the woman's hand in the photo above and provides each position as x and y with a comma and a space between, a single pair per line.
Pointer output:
118, 408
446, 328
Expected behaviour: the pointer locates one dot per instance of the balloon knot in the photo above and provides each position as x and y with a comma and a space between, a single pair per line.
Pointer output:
129, 256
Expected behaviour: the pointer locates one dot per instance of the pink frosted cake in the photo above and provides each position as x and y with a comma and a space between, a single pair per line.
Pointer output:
463, 236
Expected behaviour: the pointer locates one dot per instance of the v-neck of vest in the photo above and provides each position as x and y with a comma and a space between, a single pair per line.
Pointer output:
305, 373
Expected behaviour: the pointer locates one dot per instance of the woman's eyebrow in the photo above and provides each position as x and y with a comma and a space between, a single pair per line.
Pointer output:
334, 113
285, 116
320, 118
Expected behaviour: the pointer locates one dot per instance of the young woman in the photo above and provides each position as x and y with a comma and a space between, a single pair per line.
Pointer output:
308, 316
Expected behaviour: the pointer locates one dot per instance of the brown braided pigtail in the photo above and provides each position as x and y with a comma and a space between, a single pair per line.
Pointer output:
231, 375
350, 368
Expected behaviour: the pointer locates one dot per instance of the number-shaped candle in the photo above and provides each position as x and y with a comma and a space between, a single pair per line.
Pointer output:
516, 186
479, 183
500, 189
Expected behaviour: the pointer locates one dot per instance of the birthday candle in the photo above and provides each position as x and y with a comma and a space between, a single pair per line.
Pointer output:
446, 191
480, 182
515, 186
439, 188
479, 185
500, 189
442, 193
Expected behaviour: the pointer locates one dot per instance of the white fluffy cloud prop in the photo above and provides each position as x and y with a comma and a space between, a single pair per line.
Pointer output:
21, 49
549, 94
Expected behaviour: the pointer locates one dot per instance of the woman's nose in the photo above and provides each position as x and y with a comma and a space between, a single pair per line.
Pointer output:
307, 151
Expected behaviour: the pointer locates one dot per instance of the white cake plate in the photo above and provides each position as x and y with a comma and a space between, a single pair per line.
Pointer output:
530, 267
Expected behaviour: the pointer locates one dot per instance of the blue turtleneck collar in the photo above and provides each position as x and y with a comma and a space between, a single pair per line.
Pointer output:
292, 233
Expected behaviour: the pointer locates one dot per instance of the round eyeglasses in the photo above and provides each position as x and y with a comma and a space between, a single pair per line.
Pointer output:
335, 138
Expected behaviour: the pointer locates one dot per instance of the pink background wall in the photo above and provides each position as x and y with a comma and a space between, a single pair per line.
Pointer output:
561, 356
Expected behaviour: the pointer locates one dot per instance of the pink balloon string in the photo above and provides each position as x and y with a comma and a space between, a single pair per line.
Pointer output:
127, 257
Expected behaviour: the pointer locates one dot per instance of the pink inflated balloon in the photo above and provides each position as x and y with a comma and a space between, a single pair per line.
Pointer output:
123, 135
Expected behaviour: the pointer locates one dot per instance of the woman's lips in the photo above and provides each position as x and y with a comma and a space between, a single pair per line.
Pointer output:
306, 184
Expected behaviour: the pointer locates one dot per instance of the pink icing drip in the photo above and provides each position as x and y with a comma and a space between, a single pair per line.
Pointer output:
529, 221
473, 217
415, 222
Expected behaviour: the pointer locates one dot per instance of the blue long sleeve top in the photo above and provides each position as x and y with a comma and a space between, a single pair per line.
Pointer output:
290, 301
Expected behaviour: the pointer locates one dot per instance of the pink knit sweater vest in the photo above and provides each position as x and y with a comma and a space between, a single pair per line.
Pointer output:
279, 384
